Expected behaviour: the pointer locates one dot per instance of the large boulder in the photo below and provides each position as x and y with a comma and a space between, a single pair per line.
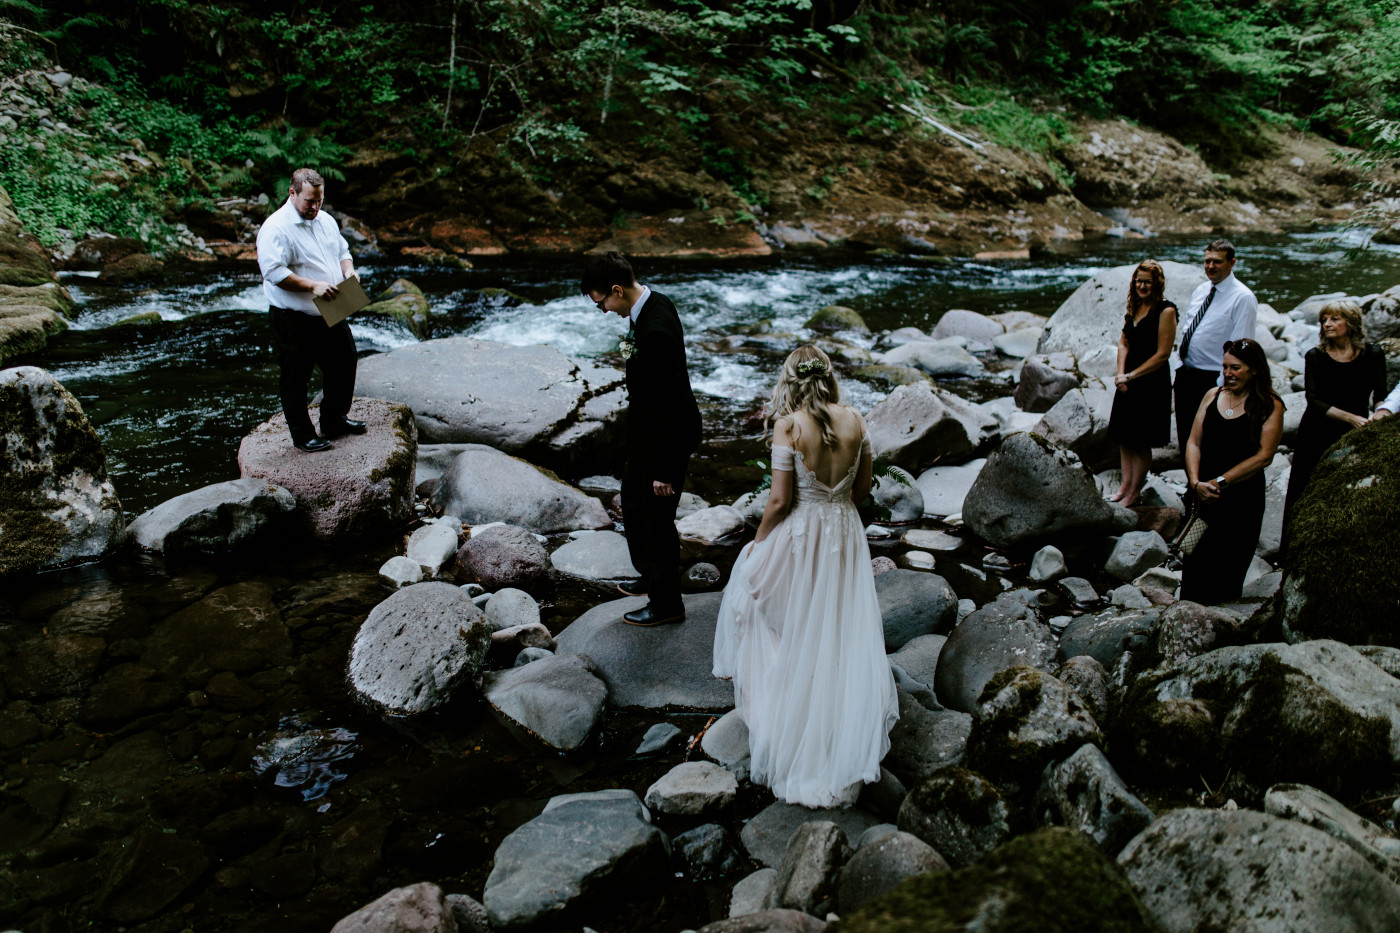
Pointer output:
1005, 633
1045, 379
925, 741
557, 700
582, 849
1383, 316
1079, 422
501, 556
811, 868
880, 865
1349, 516
1089, 322
33, 307
920, 424
766, 835
418, 648
220, 517
969, 324
1104, 636
602, 555
484, 485
914, 603
56, 503
532, 401
936, 358
363, 487
1250, 872
958, 812
668, 665
1084, 793
1321, 811
1031, 493
1026, 720
1051, 880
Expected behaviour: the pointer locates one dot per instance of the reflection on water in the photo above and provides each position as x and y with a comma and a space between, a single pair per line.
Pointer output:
305, 757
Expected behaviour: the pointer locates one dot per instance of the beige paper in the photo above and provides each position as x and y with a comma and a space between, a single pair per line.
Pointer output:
349, 298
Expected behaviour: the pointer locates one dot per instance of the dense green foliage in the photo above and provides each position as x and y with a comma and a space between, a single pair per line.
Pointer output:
539, 84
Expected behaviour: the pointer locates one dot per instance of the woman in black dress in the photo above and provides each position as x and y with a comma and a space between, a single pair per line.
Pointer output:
1142, 405
1234, 438
1345, 378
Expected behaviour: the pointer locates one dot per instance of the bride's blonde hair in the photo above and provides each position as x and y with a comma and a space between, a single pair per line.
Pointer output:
806, 383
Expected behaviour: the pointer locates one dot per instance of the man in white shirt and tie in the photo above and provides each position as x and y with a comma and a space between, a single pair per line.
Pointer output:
1222, 309
303, 256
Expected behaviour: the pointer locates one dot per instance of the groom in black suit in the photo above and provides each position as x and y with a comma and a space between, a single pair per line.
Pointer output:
663, 430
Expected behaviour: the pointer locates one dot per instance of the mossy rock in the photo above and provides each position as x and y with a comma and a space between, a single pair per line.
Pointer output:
891, 376
49, 295
833, 318
1025, 720
958, 812
502, 297
26, 328
400, 287
1343, 544
1051, 881
22, 260
1158, 741
408, 308
139, 267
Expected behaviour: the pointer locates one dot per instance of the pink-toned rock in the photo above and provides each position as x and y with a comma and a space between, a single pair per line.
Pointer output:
882, 564
503, 556
364, 486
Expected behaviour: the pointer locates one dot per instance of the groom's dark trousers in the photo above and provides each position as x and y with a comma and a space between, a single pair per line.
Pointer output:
663, 430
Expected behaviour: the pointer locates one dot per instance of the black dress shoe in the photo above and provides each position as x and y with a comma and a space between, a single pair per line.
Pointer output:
632, 588
648, 616
343, 426
315, 445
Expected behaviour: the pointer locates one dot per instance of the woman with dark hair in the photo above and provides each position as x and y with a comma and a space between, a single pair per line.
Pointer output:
799, 627
1142, 406
1344, 377
1234, 437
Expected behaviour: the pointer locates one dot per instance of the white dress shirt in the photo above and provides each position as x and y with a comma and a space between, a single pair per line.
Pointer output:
637, 308
1392, 401
1230, 316
312, 249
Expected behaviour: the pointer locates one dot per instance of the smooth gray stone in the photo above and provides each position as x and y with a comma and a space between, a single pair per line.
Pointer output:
1079, 590
1047, 564
1006, 632
570, 853
421, 908
919, 657
925, 741
558, 700
945, 487
936, 358
1026, 720
528, 655
599, 556
919, 424
1135, 553
1128, 596
1044, 380
667, 665
914, 603
751, 894
709, 851
401, 571
1106, 635
510, 607
1018, 343
433, 545
434, 459
1079, 422
711, 524
1250, 872
879, 866
957, 322
766, 835
418, 648
727, 742
658, 738
693, 788
484, 485
1312, 807
932, 540
905, 502
1084, 793
811, 868
875, 834
219, 517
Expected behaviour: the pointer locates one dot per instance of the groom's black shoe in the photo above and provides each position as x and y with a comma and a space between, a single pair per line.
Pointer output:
632, 588
648, 616
315, 445
341, 427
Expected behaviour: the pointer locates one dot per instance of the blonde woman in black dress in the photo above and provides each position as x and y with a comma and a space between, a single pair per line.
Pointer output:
1142, 403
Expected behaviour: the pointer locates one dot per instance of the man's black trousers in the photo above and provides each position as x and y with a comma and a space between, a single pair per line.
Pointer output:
652, 541
302, 343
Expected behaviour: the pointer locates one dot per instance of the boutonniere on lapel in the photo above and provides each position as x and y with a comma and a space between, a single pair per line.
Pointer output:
628, 344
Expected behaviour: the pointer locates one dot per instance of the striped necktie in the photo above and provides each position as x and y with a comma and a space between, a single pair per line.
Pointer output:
1186, 341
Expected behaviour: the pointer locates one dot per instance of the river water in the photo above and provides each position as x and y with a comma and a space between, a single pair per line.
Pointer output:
250, 785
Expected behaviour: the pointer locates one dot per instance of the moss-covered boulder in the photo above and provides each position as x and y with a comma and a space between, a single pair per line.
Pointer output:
1052, 881
890, 376
402, 301
958, 812
1026, 720
130, 270
835, 317
1343, 544
49, 295
33, 307
23, 261
143, 319
56, 503
25, 328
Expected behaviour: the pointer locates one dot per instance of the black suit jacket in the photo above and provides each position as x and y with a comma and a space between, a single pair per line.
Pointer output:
663, 421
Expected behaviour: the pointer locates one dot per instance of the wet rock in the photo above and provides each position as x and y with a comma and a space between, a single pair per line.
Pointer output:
237, 832
1044, 381
54, 666
766, 835
1026, 720
532, 400
880, 866
693, 788
1189, 630
919, 424
602, 555
811, 868
931, 540
151, 871
503, 556
1084, 793
125, 692
708, 852
29, 812
220, 517
1048, 564
235, 628
418, 908
484, 485
1248, 871
138, 267
925, 741
570, 854
768, 921
727, 742
959, 813
401, 571
1004, 633
59, 505
1019, 343
653, 667
1030, 492
362, 488
835, 318
432, 546
1105, 636
285, 876
1312, 807
558, 700
1079, 422
945, 488
914, 603
658, 738
749, 895
1053, 879
417, 648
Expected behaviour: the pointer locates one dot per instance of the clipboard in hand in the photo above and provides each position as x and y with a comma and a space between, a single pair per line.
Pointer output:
349, 298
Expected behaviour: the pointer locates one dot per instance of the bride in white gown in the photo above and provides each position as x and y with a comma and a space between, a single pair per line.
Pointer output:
799, 627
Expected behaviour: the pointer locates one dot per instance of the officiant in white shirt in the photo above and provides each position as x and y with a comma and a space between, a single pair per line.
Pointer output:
1222, 309
303, 256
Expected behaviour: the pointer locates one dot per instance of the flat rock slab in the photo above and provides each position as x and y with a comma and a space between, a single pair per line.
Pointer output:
532, 401
362, 487
219, 517
945, 487
599, 556
766, 835
484, 485
668, 665
418, 647
586, 847
558, 700
693, 788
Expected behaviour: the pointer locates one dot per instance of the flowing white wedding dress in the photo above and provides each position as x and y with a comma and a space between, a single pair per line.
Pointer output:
800, 632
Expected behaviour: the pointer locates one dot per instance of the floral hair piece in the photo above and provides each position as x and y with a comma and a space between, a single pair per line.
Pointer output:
812, 367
